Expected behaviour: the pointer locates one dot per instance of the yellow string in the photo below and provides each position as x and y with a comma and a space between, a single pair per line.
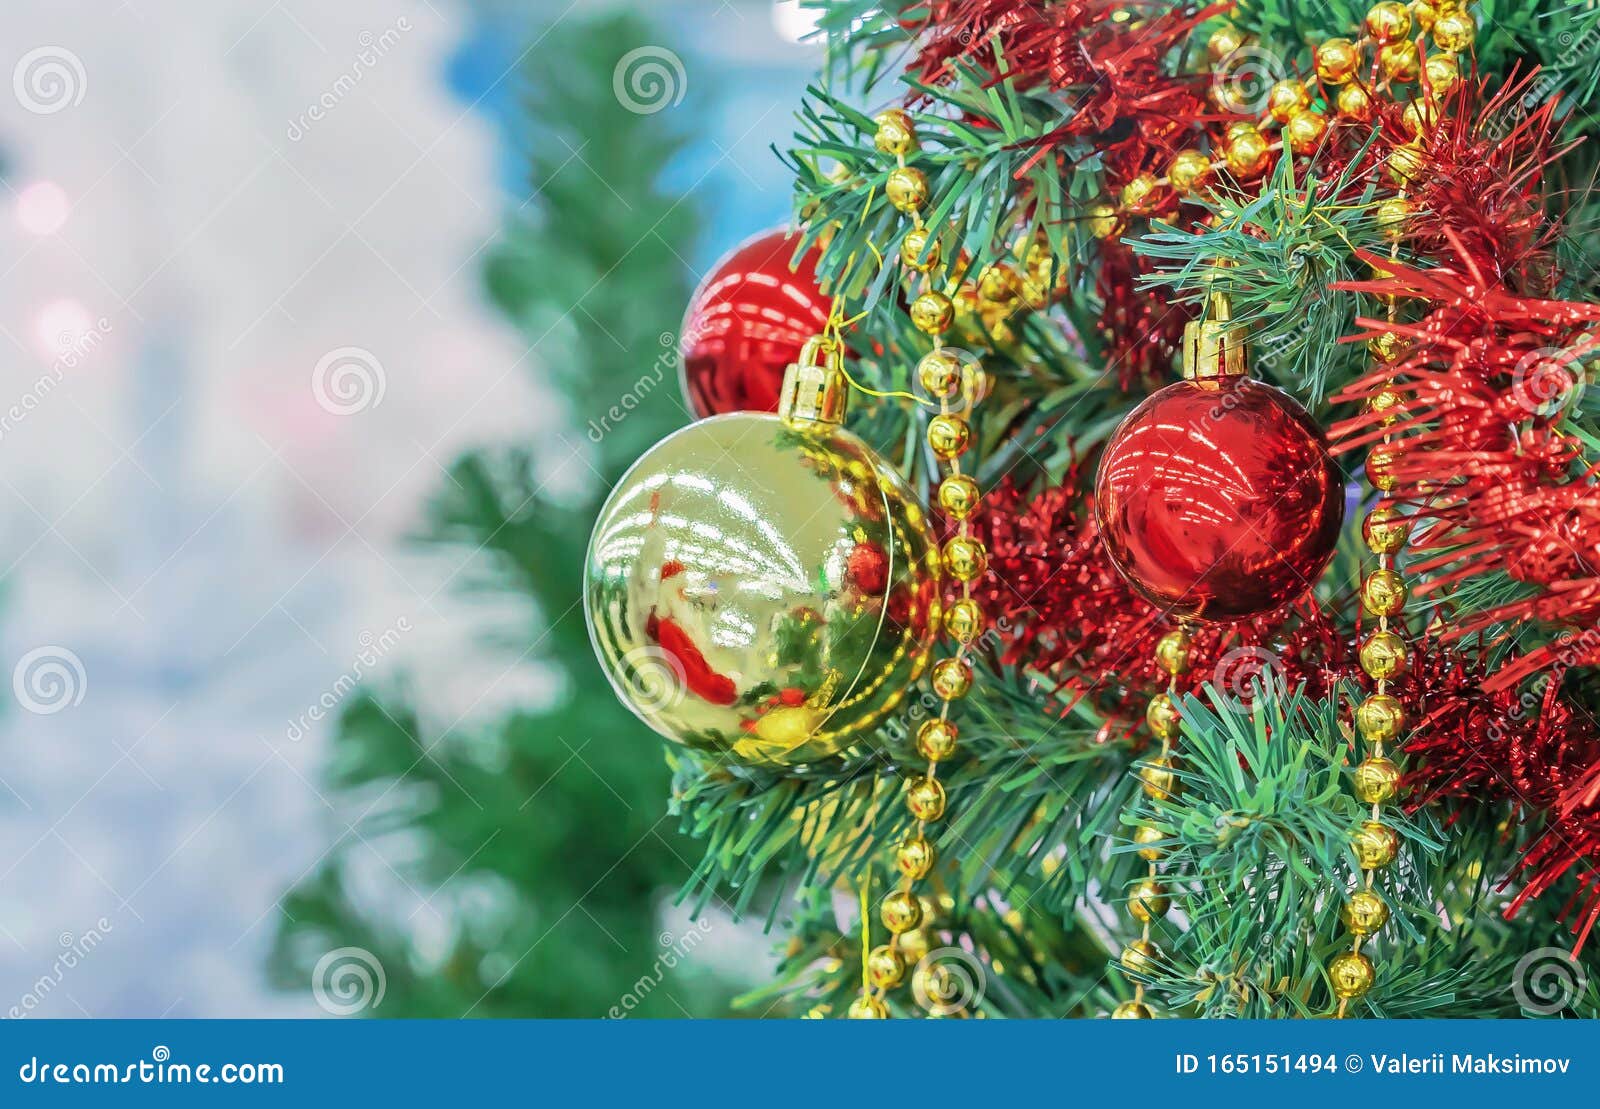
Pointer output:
866, 927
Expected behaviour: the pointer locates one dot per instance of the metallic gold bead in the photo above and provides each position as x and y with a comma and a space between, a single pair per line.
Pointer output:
1241, 127
1386, 346
936, 739
999, 285
1443, 73
1138, 195
1141, 956
1337, 61
907, 189
932, 313
1162, 716
896, 133
915, 857
1384, 593
1151, 842
964, 620
1104, 221
1419, 117
965, 558
1400, 61
949, 436
1455, 30
1224, 41
1364, 912
900, 912
885, 967
951, 679
1158, 779
939, 373
1383, 656
1132, 1010
1380, 717
1148, 901
1380, 467
1423, 13
867, 1007
1248, 154
958, 496
916, 253
1350, 975
1405, 163
1172, 652
1385, 529
1304, 131
1391, 216
1354, 103
1189, 172
1388, 21
1375, 781
925, 798
1386, 404
1375, 845
1286, 98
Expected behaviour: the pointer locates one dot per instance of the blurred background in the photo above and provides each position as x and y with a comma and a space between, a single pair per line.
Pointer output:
305, 310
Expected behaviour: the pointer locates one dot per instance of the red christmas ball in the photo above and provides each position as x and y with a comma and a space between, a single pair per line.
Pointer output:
746, 323
1218, 499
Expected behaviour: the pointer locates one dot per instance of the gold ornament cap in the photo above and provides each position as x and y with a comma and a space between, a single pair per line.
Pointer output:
1215, 346
815, 391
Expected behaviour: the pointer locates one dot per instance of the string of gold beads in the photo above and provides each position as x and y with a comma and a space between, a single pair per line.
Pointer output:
1150, 898
957, 386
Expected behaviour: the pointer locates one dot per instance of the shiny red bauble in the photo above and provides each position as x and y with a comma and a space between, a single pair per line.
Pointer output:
1218, 499
746, 323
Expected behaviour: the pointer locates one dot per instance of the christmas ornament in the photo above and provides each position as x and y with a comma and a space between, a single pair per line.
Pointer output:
1217, 497
746, 324
764, 587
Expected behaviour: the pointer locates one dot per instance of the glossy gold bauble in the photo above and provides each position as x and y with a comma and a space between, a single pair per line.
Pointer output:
896, 134
1391, 216
1350, 975
1355, 103
1419, 117
1385, 530
916, 253
885, 967
1383, 656
1364, 912
1337, 61
932, 313
1400, 61
1132, 1010
1386, 403
1157, 778
1162, 716
1379, 718
1455, 30
1388, 21
1375, 845
939, 373
1138, 195
1387, 346
925, 798
965, 558
1287, 97
1224, 41
1148, 900
915, 857
867, 1007
1140, 956
1172, 652
1380, 467
1104, 221
1423, 13
1443, 74
964, 620
1189, 172
949, 436
952, 679
936, 739
1248, 154
1150, 841
1375, 781
999, 285
907, 189
1405, 163
1384, 593
958, 496
762, 593
1304, 131
900, 912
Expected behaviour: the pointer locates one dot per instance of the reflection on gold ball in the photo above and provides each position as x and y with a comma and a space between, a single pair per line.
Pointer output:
965, 558
1385, 530
1388, 21
1443, 73
958, 495
1157, 778
915, 857
885, 967
1355, 103
916, 253
1419, 117
1132, 1010
1383, 656
1375, 781
907, 189
1391, 216
1162, 716
1384, 593
939, 373
1337, 61
1379, 718
1141, 956
952, 679
1138, 195
1386, 403
1386, 346
932, 313
925, 798
1364, 912
936, 739
1350, 975
1103, 221
1405, 163
867, 1007
1248, 154
1375, 845
1400, 61
1304, 131
1150, 841
1148, 901
964, 620
1455, 30
1189, 172
1286, 98
900, 911
1172, 652
1380, 467
949, 436
1224, 41
1423, 12
896, 133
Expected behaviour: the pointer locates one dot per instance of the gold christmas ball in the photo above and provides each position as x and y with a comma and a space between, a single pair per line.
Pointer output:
1148, 901
1419, 117
867, 1007
1443, 73
1189, 172
1380, 717
999, 285
1400, 61
1337, 61
1405, 163
885, 967
1386, 530
907, 189
896, 134
965, 558
1132, 1010
916, 253
1387, 346
932, 313
900, 911
760, 591
1138, 195
1384, 593
1157, 778
952, 679
925, 798
1392, 215
949, 436
1162, 716
958, 496
1383, 656
1386, 403
1375, 844
1224, 41
1364, 912
915, 857
1141, 956
1287, 97
1241, 127
1375, 781
1380, 467
1104, 221
1455, 30
1150, 841
1248, 154
936, 739
1350, 975
1423, 13
964, 620
1388, 21
1355, 103
1172, 652
939, 373
1304, 131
